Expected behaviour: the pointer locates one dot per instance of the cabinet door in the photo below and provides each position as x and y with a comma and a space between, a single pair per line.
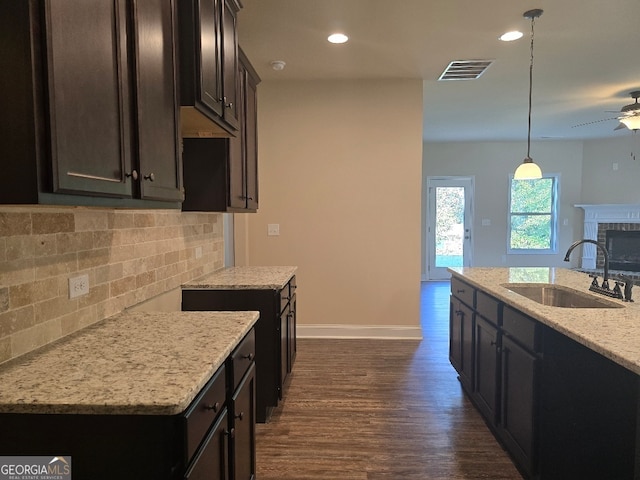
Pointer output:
244, 421
88, 96
243, 149
486, 368
517, 412
209, 54
230, 97
237, 158
461, 341
211, 462
250, 121
157, 100
292, 347
284, 345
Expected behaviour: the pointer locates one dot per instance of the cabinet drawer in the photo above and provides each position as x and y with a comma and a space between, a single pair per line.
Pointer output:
243, 357
488, 307
463, 291
204, 410
287, 292
284, 297
521, 328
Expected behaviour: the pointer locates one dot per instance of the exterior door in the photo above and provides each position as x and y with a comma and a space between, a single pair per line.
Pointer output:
449, 222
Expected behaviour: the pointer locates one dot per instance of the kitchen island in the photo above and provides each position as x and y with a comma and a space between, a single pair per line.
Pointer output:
272, 291
131, 396
559, 387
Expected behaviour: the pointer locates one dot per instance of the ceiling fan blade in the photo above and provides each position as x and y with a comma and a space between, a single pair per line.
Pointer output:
595, 121
620, 127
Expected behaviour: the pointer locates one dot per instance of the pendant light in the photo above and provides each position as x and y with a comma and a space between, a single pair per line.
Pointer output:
528, 170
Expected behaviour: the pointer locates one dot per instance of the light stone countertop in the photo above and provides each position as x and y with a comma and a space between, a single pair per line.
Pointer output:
244, 278
612, 332
142, 363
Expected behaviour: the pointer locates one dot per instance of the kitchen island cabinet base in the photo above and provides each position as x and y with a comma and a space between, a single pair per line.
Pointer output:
562, 410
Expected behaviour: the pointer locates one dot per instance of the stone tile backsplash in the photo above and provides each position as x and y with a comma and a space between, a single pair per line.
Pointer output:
129, 256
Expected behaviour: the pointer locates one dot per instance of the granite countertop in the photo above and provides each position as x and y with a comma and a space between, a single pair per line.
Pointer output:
612, 332
141, 363
244, 278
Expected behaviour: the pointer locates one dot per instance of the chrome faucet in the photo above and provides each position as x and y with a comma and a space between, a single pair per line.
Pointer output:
604, 288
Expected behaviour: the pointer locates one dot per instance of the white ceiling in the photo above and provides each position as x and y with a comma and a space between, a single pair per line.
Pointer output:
586, 58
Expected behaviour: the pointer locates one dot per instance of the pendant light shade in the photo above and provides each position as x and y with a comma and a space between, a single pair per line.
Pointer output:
529, 170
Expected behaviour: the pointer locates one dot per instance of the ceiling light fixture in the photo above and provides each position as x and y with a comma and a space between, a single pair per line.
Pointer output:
337, 38
631, 113
528, 170
511, 36
277, 65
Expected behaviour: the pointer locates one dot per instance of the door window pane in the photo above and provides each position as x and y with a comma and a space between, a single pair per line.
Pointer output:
449, 226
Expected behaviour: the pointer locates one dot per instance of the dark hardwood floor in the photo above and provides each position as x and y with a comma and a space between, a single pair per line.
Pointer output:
380, 409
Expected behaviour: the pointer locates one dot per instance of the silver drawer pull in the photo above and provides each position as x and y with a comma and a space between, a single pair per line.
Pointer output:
215, 407
251, 356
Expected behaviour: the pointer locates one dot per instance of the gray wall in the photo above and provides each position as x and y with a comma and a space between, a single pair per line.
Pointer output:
601, 184
490, 163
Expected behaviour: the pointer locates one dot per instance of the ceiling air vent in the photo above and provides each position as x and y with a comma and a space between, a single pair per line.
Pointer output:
465, 69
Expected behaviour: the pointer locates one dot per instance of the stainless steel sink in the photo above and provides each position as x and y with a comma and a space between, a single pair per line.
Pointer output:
559, 296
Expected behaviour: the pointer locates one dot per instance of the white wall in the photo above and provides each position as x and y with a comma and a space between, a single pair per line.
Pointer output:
600, 182
340, 172
491, 163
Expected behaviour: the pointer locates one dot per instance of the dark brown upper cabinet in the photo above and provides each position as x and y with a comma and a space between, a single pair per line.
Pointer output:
221, 174
90, 103
208, 68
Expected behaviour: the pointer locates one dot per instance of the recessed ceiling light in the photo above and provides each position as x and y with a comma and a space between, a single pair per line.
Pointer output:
511, 36
338, 38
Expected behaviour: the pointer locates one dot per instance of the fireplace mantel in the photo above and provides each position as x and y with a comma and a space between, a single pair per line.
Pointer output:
604, 213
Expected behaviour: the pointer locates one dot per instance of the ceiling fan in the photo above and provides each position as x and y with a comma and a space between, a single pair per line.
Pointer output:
629, 115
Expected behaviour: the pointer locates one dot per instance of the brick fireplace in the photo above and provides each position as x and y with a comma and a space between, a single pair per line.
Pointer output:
598, 219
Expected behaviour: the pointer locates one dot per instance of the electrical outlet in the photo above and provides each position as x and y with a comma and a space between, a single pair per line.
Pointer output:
198, 252
78, 286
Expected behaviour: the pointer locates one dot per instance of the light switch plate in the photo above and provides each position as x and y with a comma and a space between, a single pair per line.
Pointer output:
273, 229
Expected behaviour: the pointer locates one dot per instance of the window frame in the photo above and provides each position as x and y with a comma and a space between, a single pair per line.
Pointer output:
555, 200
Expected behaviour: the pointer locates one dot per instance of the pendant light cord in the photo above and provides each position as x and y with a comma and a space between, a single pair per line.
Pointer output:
530, 90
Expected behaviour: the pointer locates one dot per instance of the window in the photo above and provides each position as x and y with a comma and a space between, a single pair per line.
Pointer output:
533, 215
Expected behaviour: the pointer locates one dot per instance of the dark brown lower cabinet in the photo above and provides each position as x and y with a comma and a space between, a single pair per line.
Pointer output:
211, 463
517, 402
461, 340
244, 421
275, 333
485, 391
560, 409
213, 439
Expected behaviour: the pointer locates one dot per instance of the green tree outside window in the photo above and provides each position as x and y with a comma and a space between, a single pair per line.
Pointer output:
533, 215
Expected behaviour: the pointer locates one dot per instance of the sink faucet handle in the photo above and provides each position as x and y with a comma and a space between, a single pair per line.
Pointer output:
617, 290
594, 283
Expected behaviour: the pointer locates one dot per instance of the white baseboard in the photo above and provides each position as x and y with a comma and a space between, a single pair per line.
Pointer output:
389, 332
